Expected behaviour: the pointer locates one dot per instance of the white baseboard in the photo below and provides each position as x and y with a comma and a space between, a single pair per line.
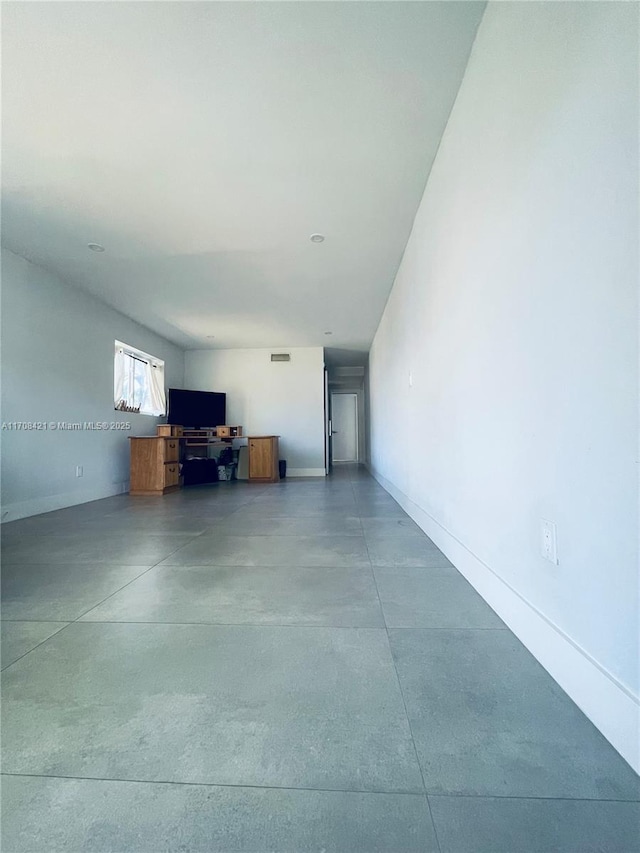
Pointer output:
306, 472
610, 706
49, 503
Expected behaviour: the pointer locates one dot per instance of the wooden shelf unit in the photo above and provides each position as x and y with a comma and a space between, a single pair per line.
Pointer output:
210, 435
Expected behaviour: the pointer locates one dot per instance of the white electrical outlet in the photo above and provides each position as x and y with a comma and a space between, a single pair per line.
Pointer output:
410, 379
549, 543
79, 471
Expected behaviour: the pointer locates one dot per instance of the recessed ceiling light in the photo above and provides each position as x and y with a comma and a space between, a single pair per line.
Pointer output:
328, 333
317, 238
95, 247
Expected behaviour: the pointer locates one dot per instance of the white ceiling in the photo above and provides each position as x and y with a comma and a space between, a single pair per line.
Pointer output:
203, 142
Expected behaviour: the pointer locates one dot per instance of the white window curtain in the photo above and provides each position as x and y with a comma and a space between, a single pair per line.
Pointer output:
118, 378
138, 382
157, 398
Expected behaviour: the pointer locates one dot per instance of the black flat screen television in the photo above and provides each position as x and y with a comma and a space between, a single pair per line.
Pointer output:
197, 409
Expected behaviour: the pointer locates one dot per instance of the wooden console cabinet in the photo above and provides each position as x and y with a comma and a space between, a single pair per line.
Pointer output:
263, 458
154, 465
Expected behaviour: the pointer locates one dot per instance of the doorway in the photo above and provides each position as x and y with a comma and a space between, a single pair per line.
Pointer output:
344, 427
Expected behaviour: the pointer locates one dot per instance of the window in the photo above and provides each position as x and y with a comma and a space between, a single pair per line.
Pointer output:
138, 381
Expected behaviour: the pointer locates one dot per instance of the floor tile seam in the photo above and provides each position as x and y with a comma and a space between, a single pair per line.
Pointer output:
518, 797
244, 506
114, 531
404, 704
218, 624
124, 586
403, 537
118, 564
421, 628
130, 530
300, 516
453, 628
406, 711
72, 562
362, 564
301, 512
417, 535
255, 566
71, 621
247, 566
63, 622
400, 568
41, 643
404, 793
341, 498
433, 822
375, 582
282, 535
68, 622
426, 797
286, 535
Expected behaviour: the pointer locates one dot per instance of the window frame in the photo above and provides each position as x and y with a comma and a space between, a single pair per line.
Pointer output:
153, 402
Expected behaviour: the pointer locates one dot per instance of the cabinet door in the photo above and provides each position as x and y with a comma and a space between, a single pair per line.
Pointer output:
260, 459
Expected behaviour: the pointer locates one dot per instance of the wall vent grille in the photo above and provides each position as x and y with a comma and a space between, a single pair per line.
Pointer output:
280, 356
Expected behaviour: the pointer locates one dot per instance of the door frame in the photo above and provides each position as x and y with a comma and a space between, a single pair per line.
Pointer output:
327, 424
357, 419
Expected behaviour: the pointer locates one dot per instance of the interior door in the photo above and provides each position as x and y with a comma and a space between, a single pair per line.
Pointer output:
344, 427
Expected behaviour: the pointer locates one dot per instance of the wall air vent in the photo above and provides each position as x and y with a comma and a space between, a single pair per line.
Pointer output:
280, 356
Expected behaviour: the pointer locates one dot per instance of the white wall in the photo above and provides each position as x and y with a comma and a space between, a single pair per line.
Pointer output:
515, 308
270, 398
57, 365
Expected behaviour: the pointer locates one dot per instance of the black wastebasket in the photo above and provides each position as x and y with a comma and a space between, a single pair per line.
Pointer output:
282, 466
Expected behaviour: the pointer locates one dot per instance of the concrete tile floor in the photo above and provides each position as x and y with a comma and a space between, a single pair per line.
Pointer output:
291, 668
